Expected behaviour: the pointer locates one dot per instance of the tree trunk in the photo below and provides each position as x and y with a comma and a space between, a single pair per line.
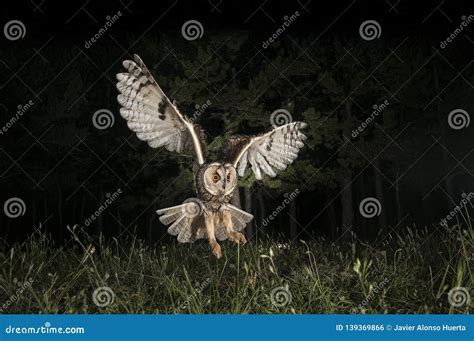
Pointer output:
331, 217
293, 225
262, 211
150, 226
119, 218
380, 195
425, 208
100, 218
347, 219
34, 213
60, 209
397, 195
236, 199
248, 208
442, 123
360, 194
81, 217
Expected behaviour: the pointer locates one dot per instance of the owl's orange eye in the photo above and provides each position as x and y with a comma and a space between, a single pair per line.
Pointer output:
215, 177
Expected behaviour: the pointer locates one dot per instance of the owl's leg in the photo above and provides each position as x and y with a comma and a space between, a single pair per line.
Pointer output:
236, 237
216, 249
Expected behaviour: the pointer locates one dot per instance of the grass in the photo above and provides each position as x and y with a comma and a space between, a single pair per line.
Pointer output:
410, 272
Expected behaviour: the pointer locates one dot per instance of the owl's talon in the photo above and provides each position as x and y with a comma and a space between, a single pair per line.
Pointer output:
216, 250
237, 237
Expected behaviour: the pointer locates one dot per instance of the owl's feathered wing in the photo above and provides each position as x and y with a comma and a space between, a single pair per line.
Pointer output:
152, 116
185, 221
268, 152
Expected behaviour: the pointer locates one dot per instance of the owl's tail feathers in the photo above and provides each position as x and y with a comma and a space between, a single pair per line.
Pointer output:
240, 218
182, 219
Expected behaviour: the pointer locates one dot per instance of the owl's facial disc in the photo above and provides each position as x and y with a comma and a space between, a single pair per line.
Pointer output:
231, 179
220, 179
213, 179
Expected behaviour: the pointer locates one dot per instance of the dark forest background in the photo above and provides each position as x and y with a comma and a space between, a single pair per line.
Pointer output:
319, 69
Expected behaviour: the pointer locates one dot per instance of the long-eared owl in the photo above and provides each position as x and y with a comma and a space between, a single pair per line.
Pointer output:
157, 120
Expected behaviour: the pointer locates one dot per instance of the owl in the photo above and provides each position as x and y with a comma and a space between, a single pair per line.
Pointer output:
157, 120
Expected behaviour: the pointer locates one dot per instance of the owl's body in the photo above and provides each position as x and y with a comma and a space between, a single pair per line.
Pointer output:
158, 121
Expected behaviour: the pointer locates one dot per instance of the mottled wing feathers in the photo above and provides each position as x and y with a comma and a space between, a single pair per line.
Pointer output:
267, 153
183, 224
240, 218
152, 116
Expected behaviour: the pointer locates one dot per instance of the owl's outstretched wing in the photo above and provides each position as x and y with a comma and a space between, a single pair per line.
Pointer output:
152, 116
268, 152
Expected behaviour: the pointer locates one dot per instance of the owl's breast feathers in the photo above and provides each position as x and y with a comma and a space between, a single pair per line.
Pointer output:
214, 203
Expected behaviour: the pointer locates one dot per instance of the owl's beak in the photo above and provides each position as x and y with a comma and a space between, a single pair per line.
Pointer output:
225, 186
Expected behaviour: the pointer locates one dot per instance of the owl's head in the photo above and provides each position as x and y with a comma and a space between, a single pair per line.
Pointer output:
219, 179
